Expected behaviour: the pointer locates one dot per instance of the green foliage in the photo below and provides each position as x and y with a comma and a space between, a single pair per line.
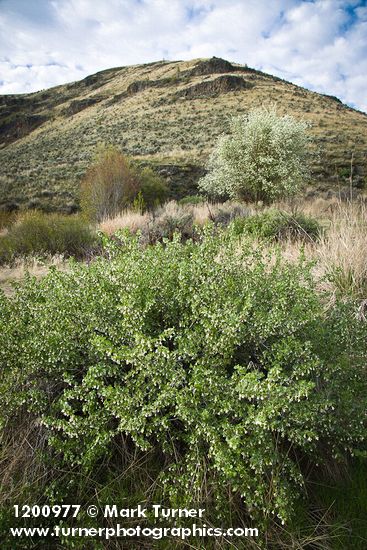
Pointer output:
346, 503
344, 171
38, 233
263, 158
279, 225
154, 189
215, 356
192, 199
138, 204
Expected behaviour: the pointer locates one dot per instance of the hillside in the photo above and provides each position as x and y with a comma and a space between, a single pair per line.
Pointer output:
167, 114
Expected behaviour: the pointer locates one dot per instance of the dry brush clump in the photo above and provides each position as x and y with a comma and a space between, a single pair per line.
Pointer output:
340, 251
164, 221
108, 186
114, 182
127, 219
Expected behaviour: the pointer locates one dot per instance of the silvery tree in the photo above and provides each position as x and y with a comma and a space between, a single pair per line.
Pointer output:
264, 158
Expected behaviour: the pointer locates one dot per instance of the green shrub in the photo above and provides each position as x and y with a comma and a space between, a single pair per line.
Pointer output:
219, 359
278, 225
344, 171
39, 233
153, 188
192, 199
264, 158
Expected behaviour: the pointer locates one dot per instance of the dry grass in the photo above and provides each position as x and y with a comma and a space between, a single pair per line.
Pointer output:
341, 252
318, 207
20, 466
201, 214
32, 265
128, 219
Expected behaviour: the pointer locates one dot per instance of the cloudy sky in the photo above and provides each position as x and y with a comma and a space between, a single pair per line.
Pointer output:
320, 44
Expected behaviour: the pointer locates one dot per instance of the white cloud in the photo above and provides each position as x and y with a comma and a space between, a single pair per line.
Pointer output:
320, 44
328, 50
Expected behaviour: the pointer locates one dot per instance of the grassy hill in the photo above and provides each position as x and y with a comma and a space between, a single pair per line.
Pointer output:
166, 114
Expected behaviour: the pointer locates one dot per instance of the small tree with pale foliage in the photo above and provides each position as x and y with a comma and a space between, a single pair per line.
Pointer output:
263, 159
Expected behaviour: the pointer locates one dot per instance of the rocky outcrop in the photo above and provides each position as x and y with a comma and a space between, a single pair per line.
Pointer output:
212, 66
17, 126
76, 106
211, 88
141, 85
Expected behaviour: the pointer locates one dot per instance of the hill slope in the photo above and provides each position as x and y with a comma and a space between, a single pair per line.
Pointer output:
167, 114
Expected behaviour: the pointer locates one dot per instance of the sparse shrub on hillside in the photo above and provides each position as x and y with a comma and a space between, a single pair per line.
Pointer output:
263, 158
279, 225
221, 361
39, 233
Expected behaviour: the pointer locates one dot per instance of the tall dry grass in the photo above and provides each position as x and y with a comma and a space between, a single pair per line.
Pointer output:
127, 219
341, 251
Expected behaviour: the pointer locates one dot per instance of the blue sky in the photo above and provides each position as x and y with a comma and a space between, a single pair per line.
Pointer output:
319, 44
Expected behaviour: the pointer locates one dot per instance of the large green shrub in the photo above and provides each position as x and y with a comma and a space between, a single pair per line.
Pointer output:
38, 233
221, 359
264, 158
